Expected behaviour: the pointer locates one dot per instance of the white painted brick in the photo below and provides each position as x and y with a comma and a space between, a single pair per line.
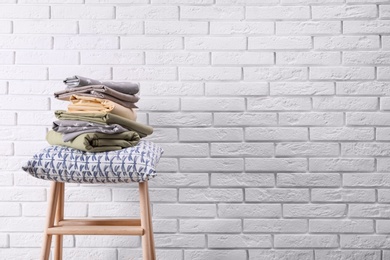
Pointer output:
366, 58
366, 27
365, 241
5, 26
249, 210
278, 103
147, 12
383, 196
344, 12
369, 210
212, 12
383, 133
212, 104
106, 241
307, 149
301, 88
6, 148
24, 12
155, 195
34, 240
275, 225
251, 58
96, 253
307, 241
367, 118
342, 73
22, 224
35, 118
275, 133
45, 27
247, 2
28, 148
341, 226
215, 254
341, 164
181, 180
38, 209
242, 179
17, 102
308, 28
161, 104
311, 118
209, 134
23, 72
279, 43
112, 57
23, 194
171, 89
88, 195
348, 254
163, 135
47, 57
344, 195
386, 42
278, 12
342, 42
234, 89
215, 43
176, 27
151, 43
367, 1
382, 225
365, 149
85, 42
22, 133
8, 209
8, 163
180, 119
144, 73
136, 254
25, 42
210, 226
314, 210
177, 240
210, 195
385, 104
211, 164
275, 73
366, 180
308, 180
239, 241
345, 103
275, 164
383, 73
6, 57
341, 133
242, 149
82, 12
209, 73
7, 179
242, 27
34, 87
185, 150
276, 195
116, 209
61, 72
165, 225
178, 58
280, 254
308, 58
4, 85
107, 27
184, 210
20, 253
383, 164
244, 119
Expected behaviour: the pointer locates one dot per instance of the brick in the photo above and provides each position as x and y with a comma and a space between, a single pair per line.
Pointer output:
186, 150
6, 26
341, 73
275, 164
178, 240
181, 180
212, 104
308, 58
210, 134
279, 103
275, 73
367, 118
36, 209
212, 12
17, 102
311, 118
165, 225
242, 27
211, 164
24, 12
365, 149
212, 74
47, 57
366, 58
344, 12
308, 179
23, 194
251, 58
275, 225
195, 2
345, 103
386, 42
366, 27
384, 11
175, 27
106, 241
151, 43
382, 133
124, 253
164, 135
45, 27
279, 43
210, 225
210, 195
184, 210
23, 72
61, 72
33, 240
25, 42
8, 209
86, 42
180, 119
109, 209
369, 210
87, 195
82, 12
308, 27
365, 241
341, 133
167, 164
276, 133
242, 179
341, 164
276, 195
344, 195
348, 254
7, 118
239, 241
247, 2
111, 57
383, 73
244, 119
232, 89
278, 12
172, 89
159, 104
107, 27
280, 254
177, 58
34, 118
34, 87
6, 57
307, 241
215, 43
7, 179
367, 180
22, 224
383, 226
19, 253
384, 103
307, 149
249, 210
96, 253
383, 196
215, 254
6, 148
314, 210
369, 42
147, 12
241, 149
145, 73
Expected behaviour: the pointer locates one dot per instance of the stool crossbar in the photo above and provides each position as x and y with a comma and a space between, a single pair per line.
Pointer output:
57, 226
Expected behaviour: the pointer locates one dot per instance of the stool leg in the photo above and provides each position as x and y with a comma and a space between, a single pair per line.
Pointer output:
152, 249
147, 238
59, 217
51, 209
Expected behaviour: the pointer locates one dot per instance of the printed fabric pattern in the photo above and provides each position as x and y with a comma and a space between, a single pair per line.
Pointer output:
65, 164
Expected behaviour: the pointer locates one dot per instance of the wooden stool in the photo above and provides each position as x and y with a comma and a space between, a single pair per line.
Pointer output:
58, 226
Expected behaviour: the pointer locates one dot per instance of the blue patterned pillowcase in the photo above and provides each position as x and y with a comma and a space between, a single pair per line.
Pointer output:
65, 164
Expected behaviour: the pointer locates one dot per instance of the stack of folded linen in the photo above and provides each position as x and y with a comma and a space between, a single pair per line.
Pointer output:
100, 116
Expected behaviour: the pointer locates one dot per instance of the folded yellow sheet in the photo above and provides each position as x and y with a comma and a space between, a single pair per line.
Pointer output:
83, 104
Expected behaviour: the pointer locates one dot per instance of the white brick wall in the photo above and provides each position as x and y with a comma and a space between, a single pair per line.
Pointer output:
274, 117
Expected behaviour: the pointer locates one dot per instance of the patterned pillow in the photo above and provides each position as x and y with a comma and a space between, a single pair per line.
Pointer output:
65, 164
